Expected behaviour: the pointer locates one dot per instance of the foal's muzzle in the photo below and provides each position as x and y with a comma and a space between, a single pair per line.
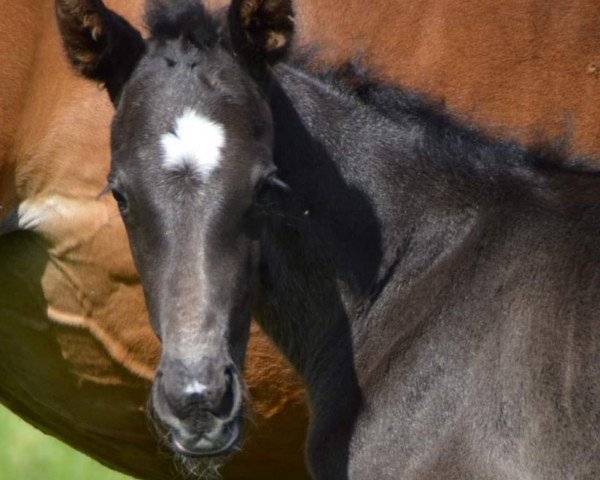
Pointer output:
200, 406
218, 442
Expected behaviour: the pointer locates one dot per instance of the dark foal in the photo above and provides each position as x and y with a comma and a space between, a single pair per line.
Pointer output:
437, 290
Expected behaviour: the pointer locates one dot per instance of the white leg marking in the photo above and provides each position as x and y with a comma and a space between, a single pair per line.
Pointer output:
195, 144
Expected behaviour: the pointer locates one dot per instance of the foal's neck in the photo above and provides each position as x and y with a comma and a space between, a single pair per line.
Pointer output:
333, 246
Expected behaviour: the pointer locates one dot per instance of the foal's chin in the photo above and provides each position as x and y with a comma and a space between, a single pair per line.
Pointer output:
197, 455
219, 442
198, 463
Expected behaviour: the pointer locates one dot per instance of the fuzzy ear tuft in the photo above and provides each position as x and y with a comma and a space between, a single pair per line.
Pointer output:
261, 30
100, 44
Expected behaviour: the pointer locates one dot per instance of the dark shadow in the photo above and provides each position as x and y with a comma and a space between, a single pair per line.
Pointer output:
322, 252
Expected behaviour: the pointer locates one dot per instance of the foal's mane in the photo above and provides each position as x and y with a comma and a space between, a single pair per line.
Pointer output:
446, 135
449, 135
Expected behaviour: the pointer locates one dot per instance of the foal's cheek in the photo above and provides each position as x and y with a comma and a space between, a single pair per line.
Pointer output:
239, 330
253, 222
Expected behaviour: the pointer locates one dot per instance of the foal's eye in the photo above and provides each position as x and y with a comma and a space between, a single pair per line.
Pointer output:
121, 201
270, 182
261, 187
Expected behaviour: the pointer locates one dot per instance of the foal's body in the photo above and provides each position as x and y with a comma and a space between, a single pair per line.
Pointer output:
461, 334
436, 290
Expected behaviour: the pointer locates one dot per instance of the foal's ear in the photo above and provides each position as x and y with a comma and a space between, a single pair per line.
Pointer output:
100, 44
261, 30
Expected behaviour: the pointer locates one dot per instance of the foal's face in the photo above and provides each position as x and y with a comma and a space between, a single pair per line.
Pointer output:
191, 150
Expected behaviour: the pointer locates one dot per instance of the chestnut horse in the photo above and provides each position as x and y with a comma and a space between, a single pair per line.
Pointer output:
497, 63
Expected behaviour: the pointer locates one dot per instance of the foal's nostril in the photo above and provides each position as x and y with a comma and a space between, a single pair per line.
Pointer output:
198, 391
225, 407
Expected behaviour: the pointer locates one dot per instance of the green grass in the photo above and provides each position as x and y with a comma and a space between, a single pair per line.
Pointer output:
28, 454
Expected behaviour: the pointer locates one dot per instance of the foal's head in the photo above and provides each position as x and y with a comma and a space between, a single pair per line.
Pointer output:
191, 153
